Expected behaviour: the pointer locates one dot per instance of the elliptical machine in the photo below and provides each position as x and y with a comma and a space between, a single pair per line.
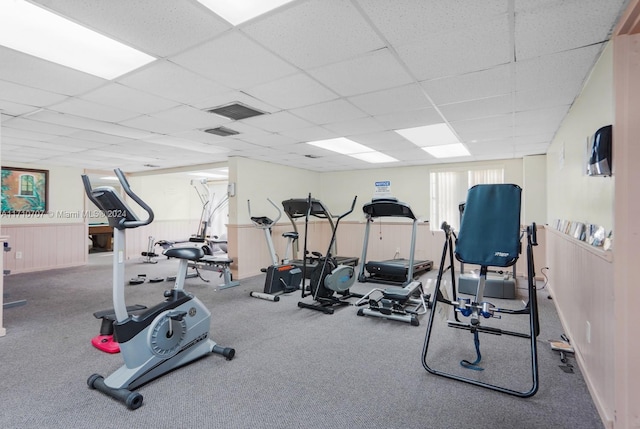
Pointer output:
164, 337
328, 277
281, 278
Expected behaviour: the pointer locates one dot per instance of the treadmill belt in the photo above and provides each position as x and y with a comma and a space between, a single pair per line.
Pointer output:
396, 269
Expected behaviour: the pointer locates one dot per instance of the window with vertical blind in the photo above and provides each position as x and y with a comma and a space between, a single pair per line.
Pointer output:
449, 189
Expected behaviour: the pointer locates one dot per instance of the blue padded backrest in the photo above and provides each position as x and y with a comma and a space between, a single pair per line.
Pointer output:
490, 227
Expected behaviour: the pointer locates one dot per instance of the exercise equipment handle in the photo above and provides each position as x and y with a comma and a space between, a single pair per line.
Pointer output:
125, 219
348, 212
125, 185
273, 222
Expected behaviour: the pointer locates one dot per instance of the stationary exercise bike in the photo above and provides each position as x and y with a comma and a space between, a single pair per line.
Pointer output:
281, 278
159, 339
329, 281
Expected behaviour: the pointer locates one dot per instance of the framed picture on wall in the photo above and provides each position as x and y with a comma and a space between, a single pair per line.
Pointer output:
24, 190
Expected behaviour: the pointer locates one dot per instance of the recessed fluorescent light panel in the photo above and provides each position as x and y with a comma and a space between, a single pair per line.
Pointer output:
430, 135
238, 11
35, 31
437, 140
345, 146
447, 150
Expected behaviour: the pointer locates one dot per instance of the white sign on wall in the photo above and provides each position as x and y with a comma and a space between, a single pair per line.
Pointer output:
382, 189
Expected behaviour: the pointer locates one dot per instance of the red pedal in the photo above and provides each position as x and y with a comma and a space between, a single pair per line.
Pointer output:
105, 343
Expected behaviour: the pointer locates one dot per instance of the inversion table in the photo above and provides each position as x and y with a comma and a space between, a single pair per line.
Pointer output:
489, 237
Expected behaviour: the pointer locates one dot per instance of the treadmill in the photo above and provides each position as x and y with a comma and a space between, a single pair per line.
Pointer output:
391, 271
296, 208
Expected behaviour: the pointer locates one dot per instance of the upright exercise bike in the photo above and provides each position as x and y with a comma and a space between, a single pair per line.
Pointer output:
164, 337
281, 278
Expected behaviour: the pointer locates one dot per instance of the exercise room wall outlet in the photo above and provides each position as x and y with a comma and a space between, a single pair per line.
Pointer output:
18, 255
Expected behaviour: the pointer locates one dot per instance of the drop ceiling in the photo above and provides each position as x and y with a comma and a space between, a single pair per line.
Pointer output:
502, 73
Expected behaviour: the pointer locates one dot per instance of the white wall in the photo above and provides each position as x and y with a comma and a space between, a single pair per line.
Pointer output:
534, 198
572, 195
258, 181
581, 276
408, 184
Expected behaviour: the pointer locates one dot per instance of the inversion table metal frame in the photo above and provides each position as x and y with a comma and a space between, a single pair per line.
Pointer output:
489, 236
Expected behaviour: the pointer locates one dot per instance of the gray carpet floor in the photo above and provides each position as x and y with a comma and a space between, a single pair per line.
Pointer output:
294, 368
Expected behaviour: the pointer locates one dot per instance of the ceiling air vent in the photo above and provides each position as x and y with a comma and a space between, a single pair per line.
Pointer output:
222, 131
235, 111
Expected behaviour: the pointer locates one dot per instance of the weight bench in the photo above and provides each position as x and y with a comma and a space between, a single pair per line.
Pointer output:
218, 264
489, 237
403, 304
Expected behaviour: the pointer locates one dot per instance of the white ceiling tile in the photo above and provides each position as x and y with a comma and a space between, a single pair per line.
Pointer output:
33, 72
59, 146
371, 72
183, 144
201, 136
493, 127
79, 123
154, 124
189, 118
537, 139
276, 122
496, 80
480, 108
478, 47
490, 145
10, 91
292, 91
230, 97
384, 141
232, 60
98, 137
530, 149
402, 21
171, 81
156, 27
331, 111
543, 28
269, 140
36, 126
551, 116
238, 146
414, 118
309, 134
568, 69
88, 109
245, 129
410, 154
316, 32
121, 96
16, 109
77, 142
303, 149
355, 126
25, 134
544, 97
393, 100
